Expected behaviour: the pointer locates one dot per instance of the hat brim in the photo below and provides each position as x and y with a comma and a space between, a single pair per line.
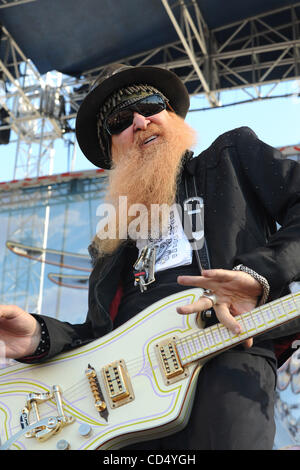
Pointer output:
86, 122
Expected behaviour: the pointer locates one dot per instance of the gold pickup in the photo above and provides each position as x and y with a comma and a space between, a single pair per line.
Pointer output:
117, 383
169, 362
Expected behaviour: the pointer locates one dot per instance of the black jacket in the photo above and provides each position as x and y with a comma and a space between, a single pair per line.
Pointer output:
247, 187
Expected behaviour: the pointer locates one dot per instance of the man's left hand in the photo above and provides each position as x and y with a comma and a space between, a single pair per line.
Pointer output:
236, 291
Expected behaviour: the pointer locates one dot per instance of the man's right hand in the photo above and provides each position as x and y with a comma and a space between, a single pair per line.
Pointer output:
19, 331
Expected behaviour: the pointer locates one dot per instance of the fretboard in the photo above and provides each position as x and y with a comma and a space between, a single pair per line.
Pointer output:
216, 338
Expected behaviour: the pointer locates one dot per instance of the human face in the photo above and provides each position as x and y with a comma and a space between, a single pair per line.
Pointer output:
139, 133
121, 118
145, 171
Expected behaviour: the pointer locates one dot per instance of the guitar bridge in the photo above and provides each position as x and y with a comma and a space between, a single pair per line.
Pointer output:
169, 362
100, 404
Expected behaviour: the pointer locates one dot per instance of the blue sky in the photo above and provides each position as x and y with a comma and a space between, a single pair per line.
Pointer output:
276, 121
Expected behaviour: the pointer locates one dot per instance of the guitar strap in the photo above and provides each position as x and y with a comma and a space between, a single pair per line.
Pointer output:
194, 216
193, 223
196, 221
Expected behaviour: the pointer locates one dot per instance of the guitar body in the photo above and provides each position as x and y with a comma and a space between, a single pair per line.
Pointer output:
148, 404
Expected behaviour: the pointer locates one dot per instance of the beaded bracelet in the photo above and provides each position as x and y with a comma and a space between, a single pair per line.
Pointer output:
44, 344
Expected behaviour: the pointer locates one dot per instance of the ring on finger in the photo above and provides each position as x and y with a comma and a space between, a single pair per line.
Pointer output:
209, 295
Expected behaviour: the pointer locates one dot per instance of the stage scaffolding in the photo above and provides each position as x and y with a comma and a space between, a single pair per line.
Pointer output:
61, 211
37, 111
43, 210
245, 55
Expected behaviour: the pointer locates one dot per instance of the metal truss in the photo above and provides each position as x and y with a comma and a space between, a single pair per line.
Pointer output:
12, 3
194, 35
31, 109
28, 211
64, 189
245, 55
22, 282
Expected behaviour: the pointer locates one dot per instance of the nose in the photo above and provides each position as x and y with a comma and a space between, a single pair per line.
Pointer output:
140, 122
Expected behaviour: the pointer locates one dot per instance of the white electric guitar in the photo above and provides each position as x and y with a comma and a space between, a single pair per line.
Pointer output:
136, 383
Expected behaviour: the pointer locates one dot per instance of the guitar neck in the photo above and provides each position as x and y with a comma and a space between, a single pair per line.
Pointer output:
209, 341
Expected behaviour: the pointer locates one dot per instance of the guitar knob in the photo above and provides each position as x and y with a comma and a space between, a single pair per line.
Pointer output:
63, 445
85, 430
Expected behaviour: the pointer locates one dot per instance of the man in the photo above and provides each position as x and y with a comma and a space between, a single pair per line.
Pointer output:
132, 123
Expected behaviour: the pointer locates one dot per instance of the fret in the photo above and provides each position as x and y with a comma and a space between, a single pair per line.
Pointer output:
186, 349
296, 298
189, 348
196, 343
279, 310
289, 306
267, 313
249, 323
180, 350
233, 338
286, 306
209, 339
225, 335
217, 335
244, 333
203, 341
194, 352
259, 320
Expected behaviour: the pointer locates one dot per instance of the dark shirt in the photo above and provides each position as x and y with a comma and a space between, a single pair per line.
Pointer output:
133, 301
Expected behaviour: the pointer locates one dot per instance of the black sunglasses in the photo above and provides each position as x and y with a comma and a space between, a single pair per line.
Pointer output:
122, 118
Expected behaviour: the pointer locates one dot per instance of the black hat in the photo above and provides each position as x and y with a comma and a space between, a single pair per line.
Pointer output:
113, 78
